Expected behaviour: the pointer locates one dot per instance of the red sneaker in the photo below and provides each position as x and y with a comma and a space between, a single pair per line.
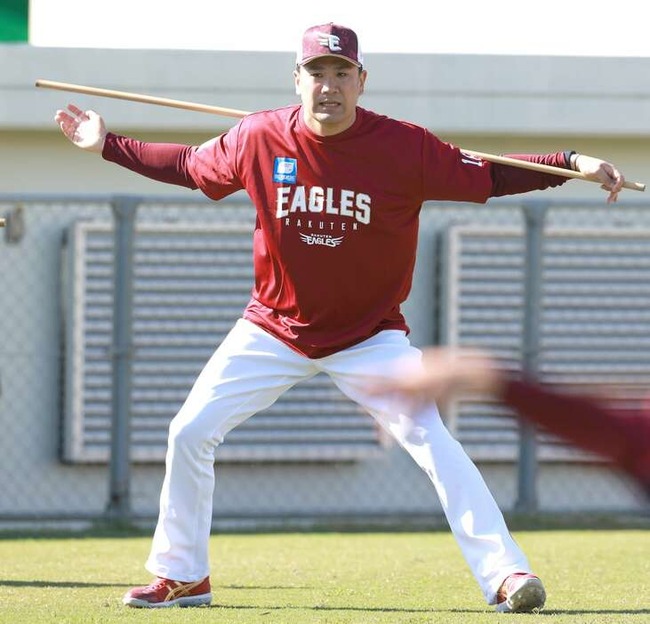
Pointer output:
165, 593
521, 593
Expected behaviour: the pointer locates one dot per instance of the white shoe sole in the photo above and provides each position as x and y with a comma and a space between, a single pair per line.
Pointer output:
529, 597
185, 601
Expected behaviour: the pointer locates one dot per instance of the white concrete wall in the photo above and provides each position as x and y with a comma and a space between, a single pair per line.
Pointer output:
496, 104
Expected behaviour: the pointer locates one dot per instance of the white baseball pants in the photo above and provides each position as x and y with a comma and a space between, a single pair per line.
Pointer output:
246, 374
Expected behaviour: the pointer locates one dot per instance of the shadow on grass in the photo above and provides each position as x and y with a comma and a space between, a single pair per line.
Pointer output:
594, 611
72, 584
487, 609
270, 609
554, 612
261, 587
68, 584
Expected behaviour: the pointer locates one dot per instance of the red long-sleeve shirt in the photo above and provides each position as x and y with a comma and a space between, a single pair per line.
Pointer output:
621, 436
337, 216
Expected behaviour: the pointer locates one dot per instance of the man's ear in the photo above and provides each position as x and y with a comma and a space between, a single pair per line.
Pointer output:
362, 79
296, 80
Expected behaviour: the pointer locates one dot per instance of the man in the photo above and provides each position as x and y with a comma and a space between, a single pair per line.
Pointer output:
338, 191
620, 436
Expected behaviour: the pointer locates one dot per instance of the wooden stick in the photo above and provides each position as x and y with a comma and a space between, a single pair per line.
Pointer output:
567, 173
232, 112
145, 99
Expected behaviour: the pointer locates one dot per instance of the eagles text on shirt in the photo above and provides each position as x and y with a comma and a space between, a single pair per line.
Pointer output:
318, 200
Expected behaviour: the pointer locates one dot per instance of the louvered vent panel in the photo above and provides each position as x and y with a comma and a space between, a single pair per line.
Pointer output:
595, 320
191, 284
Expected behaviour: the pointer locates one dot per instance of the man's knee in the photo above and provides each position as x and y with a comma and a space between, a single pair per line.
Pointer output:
186, 434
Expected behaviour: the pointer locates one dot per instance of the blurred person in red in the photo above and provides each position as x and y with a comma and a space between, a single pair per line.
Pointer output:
587, 421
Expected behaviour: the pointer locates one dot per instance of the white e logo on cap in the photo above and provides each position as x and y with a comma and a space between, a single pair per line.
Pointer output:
331, 41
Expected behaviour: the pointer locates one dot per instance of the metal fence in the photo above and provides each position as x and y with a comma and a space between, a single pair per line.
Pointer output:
110, 305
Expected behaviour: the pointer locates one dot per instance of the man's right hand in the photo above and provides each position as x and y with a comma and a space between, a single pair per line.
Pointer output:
85, 129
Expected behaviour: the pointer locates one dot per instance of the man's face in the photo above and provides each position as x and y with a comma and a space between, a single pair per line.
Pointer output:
329, 88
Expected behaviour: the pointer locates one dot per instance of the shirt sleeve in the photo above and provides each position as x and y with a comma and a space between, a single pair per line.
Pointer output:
622, 436
461, 176
165, 162
214, 165
451, 174
509, 180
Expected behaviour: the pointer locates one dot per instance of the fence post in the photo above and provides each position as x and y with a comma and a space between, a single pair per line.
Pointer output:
124, 211
534, 215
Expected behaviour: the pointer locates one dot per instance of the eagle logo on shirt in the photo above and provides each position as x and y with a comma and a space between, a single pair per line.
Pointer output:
321, 239
470, 159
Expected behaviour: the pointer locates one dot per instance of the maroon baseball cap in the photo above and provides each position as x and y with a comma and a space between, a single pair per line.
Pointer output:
330, 40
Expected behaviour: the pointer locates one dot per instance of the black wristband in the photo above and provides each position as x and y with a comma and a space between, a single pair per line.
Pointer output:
567, 159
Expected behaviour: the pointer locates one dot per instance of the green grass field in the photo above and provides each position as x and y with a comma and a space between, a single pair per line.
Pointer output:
591, 576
